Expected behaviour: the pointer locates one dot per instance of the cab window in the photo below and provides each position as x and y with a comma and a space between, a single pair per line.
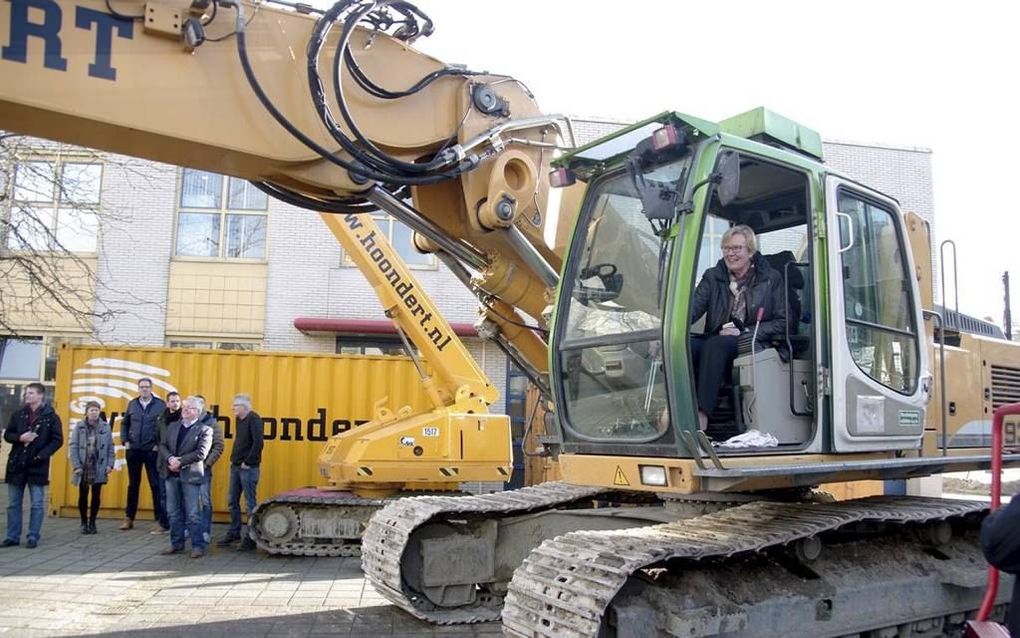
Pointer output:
880, 317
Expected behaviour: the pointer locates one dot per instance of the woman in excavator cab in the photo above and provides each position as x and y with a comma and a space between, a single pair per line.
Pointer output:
741, 297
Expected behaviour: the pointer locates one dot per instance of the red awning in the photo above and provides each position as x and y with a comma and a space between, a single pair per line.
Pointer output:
365, 326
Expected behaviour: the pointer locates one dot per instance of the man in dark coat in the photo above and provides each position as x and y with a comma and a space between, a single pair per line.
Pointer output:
139, 433
731, 295
182, 460
35, 434
1000, 539
171, 413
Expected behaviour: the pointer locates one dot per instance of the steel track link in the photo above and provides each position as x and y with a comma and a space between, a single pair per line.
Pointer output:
390, 530
324, 500
566, 585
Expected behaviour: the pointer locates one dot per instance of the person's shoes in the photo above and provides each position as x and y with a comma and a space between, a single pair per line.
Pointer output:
159, 530
92, 528
85, 528
197, 553
228, 540
171, 550
32, 543
9, 543
246, 545
127, 524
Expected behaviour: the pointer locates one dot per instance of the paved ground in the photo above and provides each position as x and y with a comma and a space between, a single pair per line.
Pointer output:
116, 583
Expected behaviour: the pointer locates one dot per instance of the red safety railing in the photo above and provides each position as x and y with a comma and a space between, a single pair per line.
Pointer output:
980, 627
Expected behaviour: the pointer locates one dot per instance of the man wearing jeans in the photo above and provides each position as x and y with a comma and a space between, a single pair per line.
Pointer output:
182, 459
245, 459
34, 433
215, 452
139, 431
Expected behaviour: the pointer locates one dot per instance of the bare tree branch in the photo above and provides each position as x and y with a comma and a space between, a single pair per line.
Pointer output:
51, 220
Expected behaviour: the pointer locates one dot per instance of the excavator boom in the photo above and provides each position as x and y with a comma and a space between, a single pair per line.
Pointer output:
253, 98
254, 90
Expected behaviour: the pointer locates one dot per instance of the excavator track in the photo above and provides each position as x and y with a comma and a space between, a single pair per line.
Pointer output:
313, 522
566, 586
390, 531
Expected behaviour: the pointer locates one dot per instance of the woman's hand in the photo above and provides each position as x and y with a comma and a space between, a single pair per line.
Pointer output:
729, 330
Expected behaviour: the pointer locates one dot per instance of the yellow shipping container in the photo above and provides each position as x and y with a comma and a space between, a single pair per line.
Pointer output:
303, 399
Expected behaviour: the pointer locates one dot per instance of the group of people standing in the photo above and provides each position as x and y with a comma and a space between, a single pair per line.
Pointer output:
176, 441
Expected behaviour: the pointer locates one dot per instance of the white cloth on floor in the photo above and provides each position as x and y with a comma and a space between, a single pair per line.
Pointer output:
751, 438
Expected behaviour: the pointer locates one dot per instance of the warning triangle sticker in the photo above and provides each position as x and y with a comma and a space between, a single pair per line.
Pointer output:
620, 479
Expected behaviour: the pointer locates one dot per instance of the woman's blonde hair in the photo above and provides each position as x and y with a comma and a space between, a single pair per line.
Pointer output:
749, 238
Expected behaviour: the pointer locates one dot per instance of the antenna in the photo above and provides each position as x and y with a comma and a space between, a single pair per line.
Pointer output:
1007, 315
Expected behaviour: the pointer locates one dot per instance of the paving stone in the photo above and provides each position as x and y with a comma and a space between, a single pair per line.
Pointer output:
116, 584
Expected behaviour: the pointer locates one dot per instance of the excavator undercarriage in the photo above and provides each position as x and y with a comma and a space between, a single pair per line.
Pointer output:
881, 566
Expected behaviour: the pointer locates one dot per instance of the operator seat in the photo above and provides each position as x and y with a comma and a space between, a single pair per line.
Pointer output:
786, 264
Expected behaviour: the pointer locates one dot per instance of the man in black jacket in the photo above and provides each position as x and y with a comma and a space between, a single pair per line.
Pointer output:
171, 414
139, 433
215, 452
732, 295
245, 459
1000, 539
35, 434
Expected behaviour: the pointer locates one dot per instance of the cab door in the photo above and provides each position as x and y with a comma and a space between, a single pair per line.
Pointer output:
879, 366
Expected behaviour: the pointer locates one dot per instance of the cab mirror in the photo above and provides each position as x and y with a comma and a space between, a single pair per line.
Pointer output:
728, 172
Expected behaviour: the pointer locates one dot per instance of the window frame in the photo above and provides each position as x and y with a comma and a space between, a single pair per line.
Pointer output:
386, 222
223, 212
903, 248
214, 343
382, 342
58, 205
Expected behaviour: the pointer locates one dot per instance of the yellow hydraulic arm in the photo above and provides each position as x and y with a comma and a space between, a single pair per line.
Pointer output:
227, 87
241, 89
457, 440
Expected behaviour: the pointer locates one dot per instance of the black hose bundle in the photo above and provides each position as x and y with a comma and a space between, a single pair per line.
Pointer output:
368, 161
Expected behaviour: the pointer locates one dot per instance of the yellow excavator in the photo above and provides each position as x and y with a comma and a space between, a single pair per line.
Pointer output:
659, 527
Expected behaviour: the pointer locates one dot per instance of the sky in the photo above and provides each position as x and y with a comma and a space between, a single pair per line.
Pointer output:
941, 76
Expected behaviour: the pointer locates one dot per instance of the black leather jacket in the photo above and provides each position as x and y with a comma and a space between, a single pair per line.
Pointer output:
31, 463
1000, 539
712, 296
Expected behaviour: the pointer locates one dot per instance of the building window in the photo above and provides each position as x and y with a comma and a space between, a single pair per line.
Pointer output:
25, 360
244, 346
401, 237
21, 359
374, 344
221, 217
54, 205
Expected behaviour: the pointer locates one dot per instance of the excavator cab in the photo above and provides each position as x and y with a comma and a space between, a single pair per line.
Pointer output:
660, 195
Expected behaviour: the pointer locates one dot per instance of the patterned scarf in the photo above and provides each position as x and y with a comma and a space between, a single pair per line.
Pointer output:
738, 288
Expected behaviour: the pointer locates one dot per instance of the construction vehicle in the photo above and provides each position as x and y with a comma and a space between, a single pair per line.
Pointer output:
654, 529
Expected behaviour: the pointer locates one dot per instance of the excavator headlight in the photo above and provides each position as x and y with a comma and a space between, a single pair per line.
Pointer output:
653, 475
562, 177
665, 137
